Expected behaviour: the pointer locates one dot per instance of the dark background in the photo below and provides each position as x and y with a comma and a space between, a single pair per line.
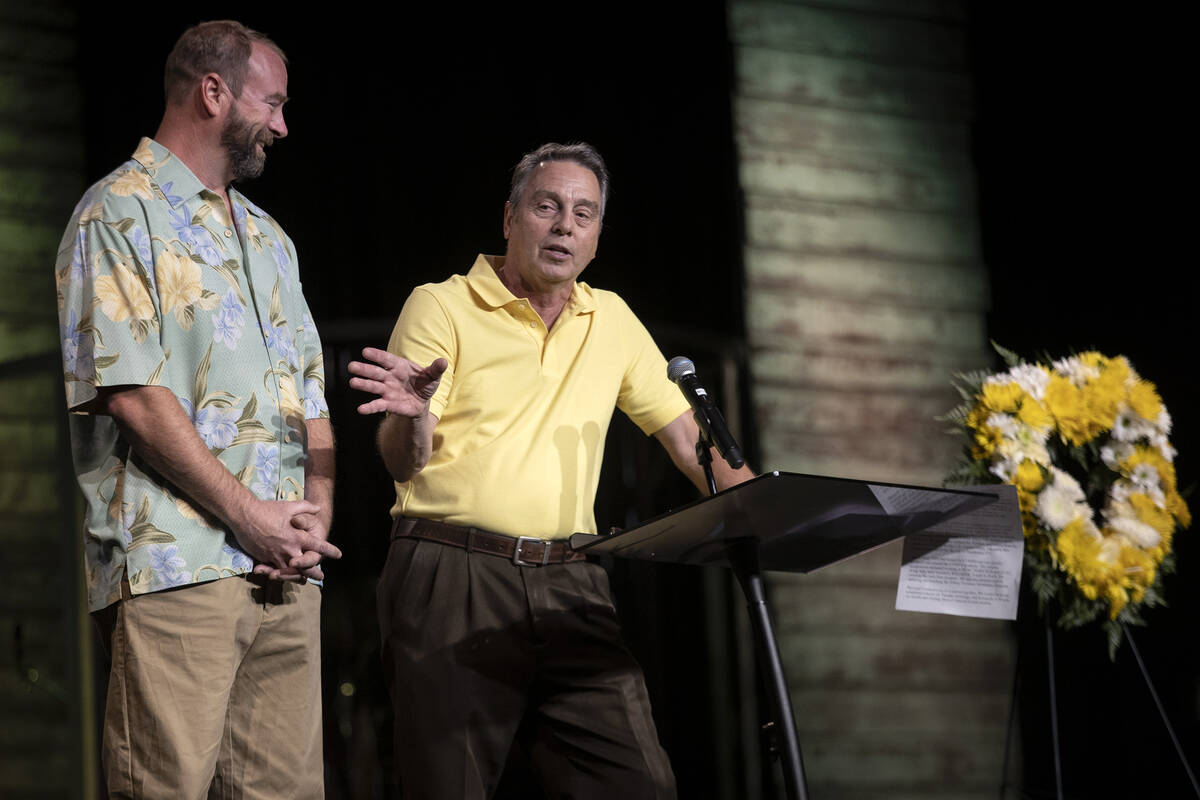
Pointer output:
404, 127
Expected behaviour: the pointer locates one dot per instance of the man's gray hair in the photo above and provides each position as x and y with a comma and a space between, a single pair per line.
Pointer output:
580, 153
223, 47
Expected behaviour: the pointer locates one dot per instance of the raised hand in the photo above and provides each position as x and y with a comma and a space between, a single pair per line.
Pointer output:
403, 387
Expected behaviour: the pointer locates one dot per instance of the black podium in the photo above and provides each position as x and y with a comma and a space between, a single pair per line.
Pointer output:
789, 522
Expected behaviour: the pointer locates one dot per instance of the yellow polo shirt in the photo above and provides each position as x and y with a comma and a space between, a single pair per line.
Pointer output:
522, 411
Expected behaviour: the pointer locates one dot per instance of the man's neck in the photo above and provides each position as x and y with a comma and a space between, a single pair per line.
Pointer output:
209, 165
548, 304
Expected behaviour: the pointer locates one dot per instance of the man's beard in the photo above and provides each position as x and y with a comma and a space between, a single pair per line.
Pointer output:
241, 144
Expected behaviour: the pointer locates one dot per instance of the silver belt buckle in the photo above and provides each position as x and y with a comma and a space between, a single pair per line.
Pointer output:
521, 562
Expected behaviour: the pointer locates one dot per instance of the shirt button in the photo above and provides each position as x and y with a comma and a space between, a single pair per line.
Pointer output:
228, 233
533, 324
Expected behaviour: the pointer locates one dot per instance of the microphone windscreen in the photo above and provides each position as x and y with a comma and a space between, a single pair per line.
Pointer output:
679, 366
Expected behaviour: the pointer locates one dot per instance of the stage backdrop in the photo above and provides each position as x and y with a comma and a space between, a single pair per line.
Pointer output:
865, 290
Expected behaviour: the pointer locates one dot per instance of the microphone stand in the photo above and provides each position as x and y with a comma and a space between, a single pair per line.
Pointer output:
743, 558
704, 447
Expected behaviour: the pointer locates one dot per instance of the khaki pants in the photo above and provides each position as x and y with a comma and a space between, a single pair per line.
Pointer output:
479, 652
214, 691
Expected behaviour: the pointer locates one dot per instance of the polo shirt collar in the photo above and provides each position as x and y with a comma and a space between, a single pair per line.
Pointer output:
487, 284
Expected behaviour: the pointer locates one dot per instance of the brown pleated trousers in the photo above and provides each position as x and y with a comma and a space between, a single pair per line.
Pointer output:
478, 651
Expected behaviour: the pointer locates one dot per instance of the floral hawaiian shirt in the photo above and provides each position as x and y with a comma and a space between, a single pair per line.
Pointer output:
157, 287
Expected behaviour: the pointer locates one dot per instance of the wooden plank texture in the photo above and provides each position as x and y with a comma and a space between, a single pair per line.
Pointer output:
821, 227
773, 318
817, 80
867, 279
916, 183
848, 34
781, 124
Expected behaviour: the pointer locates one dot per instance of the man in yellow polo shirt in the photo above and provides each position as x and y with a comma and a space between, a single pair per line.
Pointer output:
498, 387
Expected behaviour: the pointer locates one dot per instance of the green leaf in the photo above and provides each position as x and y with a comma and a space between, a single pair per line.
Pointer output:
155, 378
276, 307
1010, 358
251, 430
186, 316
200, 385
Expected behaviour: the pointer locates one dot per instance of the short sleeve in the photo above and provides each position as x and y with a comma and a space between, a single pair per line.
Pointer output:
423, 334
312, 359
647, 396
108, 314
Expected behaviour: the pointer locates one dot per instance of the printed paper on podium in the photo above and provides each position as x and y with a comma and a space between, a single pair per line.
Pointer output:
969, 566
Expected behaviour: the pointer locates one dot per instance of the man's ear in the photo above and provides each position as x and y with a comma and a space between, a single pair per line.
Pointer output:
508, 212
214, 93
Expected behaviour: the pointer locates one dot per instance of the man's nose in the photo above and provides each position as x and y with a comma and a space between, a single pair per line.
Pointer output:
277, 126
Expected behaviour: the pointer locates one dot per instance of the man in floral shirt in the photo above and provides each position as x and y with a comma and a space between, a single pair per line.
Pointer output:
201, 442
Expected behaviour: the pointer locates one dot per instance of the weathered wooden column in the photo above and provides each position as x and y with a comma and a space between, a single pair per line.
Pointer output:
865, 290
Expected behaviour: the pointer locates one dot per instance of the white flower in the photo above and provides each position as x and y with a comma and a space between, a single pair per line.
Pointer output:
1164, 447
1070, 487
1076, 371
1004, 469
1129, 427
1135, 531
1145, 477
1119, 492
1005, 424
1055, 507
1112, 454
1031, 378
1163, 422
1110, 550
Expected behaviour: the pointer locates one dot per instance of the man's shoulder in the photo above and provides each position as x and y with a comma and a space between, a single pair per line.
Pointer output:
129, 185
605, 300
455, 286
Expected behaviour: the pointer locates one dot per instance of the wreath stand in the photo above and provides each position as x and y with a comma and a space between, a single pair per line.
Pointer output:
1054, 739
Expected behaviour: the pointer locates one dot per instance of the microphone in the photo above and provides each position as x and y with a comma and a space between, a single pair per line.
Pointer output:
682, 372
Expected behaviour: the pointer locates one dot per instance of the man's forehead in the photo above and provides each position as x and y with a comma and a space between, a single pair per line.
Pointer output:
266, 64
552, 173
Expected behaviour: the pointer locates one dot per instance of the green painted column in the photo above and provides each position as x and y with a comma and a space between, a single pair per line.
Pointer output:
46, 744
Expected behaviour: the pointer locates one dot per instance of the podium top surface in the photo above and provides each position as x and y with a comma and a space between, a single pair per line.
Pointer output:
799, 522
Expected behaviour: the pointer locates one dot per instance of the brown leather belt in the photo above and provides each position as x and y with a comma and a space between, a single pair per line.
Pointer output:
524, 551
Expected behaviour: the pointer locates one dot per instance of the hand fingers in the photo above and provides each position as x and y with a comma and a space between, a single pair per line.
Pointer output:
373, 407
320, 546
436, 369
307, 559
299, 507
381, 357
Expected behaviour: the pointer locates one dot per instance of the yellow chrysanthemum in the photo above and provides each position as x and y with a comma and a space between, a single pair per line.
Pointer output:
123, 296
1034, 414
1029, 477
178, 280
1144, 400
1083, 413
1003, 397
1151, 514
1178, 508
1103, 397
